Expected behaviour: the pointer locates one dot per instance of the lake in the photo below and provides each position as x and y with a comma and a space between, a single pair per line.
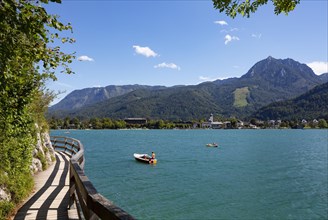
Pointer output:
253, 174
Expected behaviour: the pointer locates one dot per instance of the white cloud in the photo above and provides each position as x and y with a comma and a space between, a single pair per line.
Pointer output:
318, 67
85, 58
221, 22
228, 38
258, 36
145, 51
167, 65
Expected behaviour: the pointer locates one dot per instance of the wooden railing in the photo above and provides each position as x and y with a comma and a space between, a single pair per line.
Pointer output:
90, 204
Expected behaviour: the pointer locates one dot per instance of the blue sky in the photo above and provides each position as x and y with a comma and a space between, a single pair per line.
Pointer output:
182, 42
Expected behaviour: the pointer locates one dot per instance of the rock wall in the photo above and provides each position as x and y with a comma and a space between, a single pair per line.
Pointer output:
43, 154
4, 195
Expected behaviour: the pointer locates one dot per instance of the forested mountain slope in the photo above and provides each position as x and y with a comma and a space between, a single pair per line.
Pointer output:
270, 80
311, 105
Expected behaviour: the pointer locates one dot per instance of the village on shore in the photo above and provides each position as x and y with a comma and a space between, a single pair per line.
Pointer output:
211, 123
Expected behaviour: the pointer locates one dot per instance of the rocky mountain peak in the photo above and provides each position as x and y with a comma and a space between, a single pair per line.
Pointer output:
281, 72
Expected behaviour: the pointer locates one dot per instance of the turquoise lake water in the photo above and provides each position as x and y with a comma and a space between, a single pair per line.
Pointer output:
253, 174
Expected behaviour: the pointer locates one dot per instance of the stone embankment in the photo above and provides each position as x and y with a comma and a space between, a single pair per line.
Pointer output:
43, 154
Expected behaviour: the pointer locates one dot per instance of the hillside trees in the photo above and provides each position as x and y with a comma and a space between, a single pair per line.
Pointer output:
323, 123
28, 57
246, 7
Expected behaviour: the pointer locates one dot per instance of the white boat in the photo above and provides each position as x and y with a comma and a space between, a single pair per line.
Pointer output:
145, 158
212, 145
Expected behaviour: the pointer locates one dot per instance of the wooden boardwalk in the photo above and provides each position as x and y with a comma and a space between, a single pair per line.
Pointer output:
51, 197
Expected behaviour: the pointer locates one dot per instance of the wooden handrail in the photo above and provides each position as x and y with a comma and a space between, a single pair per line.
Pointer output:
90, 203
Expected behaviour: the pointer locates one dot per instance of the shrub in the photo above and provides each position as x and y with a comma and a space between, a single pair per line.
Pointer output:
43, 160
5, 209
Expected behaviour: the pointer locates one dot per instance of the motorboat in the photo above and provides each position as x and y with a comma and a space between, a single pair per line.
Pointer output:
212, 145
145, 158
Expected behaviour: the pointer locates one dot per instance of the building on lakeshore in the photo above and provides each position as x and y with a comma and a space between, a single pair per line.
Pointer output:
134, 121
217, 125
213, 124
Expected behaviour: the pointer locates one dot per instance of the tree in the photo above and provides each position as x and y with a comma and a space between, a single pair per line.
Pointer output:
107, 123
160, 124
120, 124
253, 121
245, 8
75, 122
233, 122
322, 123
96, 123
28, 57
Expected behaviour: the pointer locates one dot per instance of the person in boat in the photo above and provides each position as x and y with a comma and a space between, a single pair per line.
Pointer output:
152, 157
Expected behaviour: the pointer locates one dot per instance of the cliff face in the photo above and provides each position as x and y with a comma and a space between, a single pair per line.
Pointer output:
43, 154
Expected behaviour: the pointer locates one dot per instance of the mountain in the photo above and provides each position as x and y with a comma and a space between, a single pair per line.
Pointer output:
169, 103
270, 80
81, 98
311, 105
324, 77
287, 74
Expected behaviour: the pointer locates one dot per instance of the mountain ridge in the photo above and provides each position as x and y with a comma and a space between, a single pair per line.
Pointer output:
87, 96
267, 81
310, 105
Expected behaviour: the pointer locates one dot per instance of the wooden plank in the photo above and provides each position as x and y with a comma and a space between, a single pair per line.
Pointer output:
90, 202
46, 183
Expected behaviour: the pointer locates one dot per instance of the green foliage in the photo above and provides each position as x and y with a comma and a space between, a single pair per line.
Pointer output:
15, 151
43, 160
39, 107
196, 124
28, 57
107, 123
246, 7
5, 209
322, 123
311, 105
53, 158
21, 186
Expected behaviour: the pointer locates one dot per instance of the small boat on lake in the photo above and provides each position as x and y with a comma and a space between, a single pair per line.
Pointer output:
145, 158
212, 145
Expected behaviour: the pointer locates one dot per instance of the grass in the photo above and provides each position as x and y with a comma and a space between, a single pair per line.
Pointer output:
240, 96
43, 160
